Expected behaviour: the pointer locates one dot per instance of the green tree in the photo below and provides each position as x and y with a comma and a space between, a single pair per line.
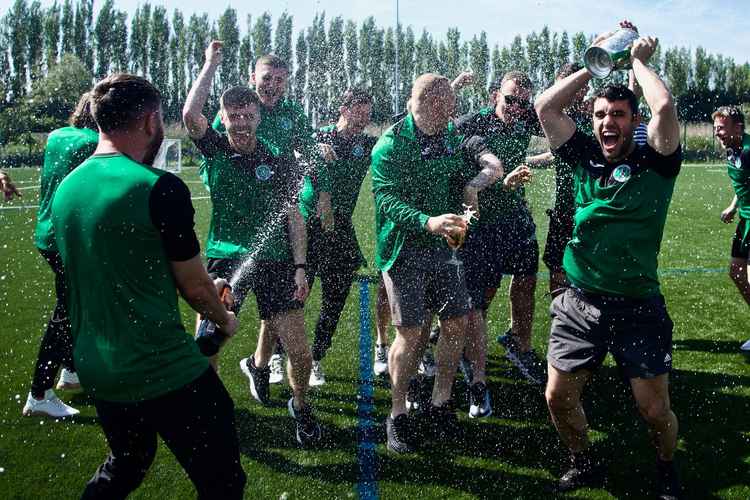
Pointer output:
139, 31
453, 53
336, 63
82, 38
199, 31
229, 33
35, 40
580, 44
246, 51
350, 40
300, 76
479, 56
547, 60
366, 34
317, 46
282, 42
407, 64
103, 39
52, 35
120, 60
16, 22
517, 55
563, 50
379, 86
159, 50
67, 25
178, 62
5, 74
262, 36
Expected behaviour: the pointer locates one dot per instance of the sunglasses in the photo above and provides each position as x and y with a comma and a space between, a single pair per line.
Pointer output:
511, 100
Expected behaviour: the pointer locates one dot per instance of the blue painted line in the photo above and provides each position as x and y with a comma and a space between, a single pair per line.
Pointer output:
367, 459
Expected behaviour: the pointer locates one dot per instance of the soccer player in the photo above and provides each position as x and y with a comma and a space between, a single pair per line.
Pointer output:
125, 235
285, 127
504, 239
256, 232
335, 255
614, 303
67, 147
415, 165
729, 128
7, 187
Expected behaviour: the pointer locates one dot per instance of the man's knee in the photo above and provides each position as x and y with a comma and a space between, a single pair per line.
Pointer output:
654, 410
560, 400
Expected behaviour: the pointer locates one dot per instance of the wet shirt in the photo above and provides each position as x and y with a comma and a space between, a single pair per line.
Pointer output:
286, 128
738, 168
415, 177
66, 148
346, 173
118, 224
621, 209
251, 196
509, 143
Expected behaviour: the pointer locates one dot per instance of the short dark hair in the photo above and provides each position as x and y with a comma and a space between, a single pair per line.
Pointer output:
734, 113
354, 96
619, 93
119, 100
81, 116
239, 96
273, 61
568, 69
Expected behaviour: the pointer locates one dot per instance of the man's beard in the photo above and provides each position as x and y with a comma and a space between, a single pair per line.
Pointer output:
153, 148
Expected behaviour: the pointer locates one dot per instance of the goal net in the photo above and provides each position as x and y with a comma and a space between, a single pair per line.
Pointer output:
169, 157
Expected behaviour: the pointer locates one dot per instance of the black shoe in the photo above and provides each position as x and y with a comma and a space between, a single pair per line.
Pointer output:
399, 434
442, 423
307, 427
479, 401
258, 378
583, 472
668, 481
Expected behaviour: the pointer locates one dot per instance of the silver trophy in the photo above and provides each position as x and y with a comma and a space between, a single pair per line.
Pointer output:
613, 53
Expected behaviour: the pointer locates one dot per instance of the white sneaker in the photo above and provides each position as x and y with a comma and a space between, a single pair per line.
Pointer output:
317, 377
50, 406
277, 369
427, 364
745, 346
381, 360
68, 381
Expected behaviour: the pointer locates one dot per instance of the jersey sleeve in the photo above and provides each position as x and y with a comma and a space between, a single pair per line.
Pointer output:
667, 166
577, 150
172, 214
210, 144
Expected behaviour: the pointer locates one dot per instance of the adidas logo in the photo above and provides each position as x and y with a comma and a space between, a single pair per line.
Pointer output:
668, 358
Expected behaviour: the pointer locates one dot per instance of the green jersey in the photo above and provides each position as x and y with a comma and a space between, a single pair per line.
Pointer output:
130, 344
738, 168
621, 209
66, 148
509, 143
285, 128
415, 177
251, 196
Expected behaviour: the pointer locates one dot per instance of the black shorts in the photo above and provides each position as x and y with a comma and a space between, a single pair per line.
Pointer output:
272, 283
334, 252
559, 234
491, 251
638, 333
740, 242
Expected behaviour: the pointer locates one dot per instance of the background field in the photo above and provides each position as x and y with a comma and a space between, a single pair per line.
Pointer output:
514, 454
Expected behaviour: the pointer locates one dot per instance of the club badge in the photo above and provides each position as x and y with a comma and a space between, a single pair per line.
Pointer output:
286, 123
358, 151
622, 174
263, 172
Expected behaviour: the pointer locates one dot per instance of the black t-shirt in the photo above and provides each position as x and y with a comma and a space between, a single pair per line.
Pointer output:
173, 215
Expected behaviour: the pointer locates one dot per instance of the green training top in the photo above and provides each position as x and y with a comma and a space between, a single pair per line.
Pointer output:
738, 168
66, 148
509, 143
286, 128
621, 209
251, 196
130, 344
414, 177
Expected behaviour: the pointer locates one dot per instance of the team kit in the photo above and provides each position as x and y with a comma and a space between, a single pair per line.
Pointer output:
451, 219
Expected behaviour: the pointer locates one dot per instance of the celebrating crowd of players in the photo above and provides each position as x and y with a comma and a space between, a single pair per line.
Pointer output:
119, 237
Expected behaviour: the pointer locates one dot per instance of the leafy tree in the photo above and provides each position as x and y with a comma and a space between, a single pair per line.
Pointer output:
262, 36
229, 33
52, 35
300, 76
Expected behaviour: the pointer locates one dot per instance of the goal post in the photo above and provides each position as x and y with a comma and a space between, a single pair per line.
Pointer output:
169, 157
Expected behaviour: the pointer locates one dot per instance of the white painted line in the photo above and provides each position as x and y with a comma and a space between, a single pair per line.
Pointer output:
28, 187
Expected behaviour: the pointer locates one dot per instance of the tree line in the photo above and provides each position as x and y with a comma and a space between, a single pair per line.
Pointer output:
49, 56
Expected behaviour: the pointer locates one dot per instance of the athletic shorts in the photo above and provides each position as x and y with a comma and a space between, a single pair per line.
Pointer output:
741, 240
272, 283
558, 235
334, 252
638, 333
422, 279
491, 251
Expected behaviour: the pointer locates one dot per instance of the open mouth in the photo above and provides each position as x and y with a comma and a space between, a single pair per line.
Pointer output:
610, 139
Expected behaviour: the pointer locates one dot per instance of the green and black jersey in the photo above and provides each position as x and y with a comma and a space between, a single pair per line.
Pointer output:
251, 196
564, 208
415, 177
509, 142
66, 148
621, 209
285, 128
118, 224
738, 169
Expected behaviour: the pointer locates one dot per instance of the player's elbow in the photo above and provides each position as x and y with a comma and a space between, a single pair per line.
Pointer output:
663, 105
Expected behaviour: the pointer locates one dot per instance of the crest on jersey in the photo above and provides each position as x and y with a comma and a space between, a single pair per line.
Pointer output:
622, 174
263, 172
358, 151
448, 146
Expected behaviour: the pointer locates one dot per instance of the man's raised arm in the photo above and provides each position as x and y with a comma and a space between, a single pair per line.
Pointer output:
664, 128
550, 106
192, 113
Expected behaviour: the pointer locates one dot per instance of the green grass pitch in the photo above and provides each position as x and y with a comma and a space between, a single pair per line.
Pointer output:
513, 454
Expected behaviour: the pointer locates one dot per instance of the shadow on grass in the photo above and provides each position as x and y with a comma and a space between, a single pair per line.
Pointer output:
711, 346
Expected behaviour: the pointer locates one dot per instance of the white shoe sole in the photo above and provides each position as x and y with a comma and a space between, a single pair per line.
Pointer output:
34, 413
316, 382
745, 347
67, 386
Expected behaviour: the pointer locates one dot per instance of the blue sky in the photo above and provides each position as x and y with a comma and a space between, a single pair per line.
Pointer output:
720, 26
